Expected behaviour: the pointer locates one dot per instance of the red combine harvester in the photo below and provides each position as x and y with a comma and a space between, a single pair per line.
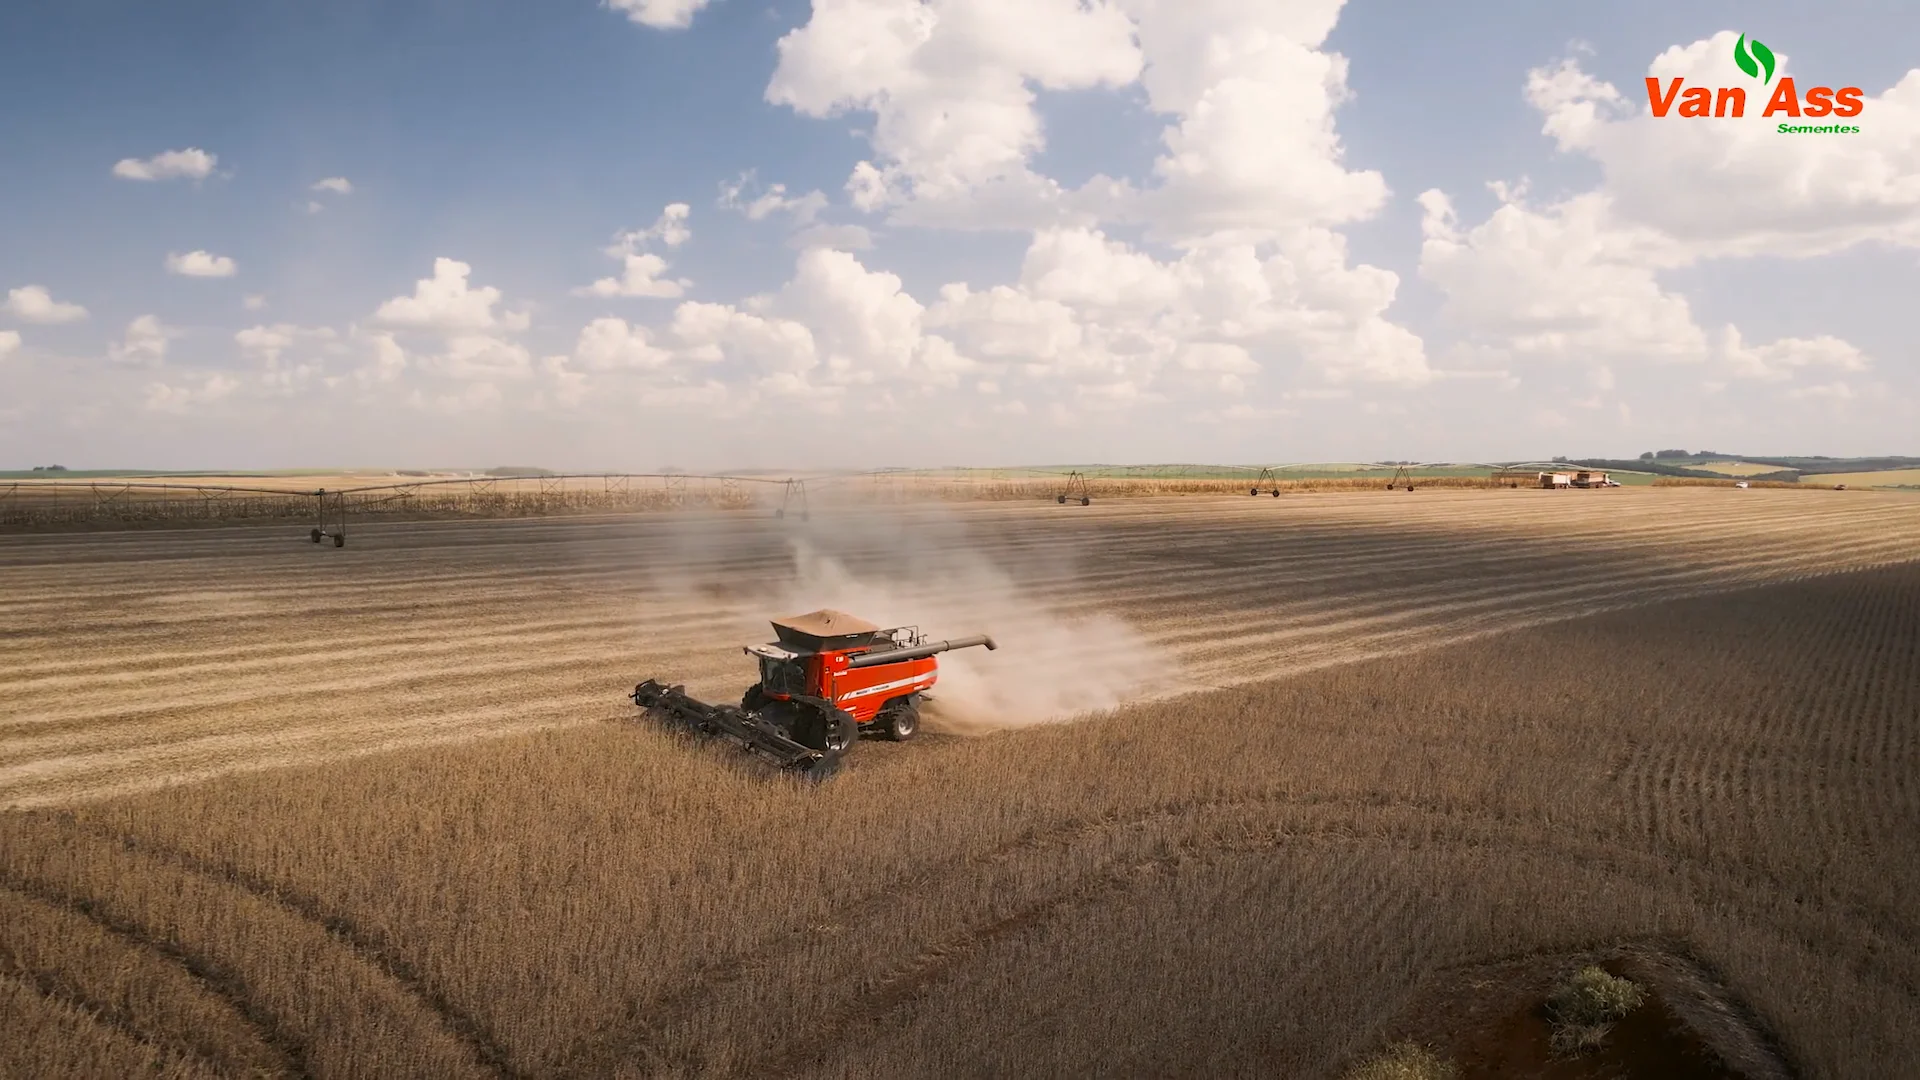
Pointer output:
827, 678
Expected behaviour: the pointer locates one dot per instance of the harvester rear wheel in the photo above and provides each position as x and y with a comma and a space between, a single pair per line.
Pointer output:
900, 720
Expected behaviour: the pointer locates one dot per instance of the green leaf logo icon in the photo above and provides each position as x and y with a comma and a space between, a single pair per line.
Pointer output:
1753, 62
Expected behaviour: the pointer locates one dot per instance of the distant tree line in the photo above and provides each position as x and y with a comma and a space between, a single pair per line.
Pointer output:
1660, 468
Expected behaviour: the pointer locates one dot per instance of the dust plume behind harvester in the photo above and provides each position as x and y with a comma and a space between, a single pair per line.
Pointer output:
826, 678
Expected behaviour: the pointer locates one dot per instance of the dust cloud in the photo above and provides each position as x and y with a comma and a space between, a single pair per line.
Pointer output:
1050, 665
908, 565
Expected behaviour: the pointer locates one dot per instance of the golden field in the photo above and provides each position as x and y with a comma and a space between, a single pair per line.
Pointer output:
383, 810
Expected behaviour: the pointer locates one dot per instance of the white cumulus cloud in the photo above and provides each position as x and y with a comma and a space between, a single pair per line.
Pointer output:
191, 164
163, 397
1727, 186
640, 277
34, 304
641, 270
145, 342
269, 342
660, 14
200, 264
1580, 278
610, 344
339, 185
738, 195
951, 84
670, 228
447, 304
9, 342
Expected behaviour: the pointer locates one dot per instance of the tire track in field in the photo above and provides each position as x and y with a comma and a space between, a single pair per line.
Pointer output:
1359, 821
370, 947
61, 989
82, 1021
875, 1008
288, 1048
162, 916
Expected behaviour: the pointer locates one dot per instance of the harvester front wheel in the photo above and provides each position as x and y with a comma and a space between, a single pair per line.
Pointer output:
900, 720
824, 769
832, 732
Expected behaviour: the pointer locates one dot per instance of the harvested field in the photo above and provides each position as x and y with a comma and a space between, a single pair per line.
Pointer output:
1735, 468
1271, 879
131, 659
1909, 478
35, 505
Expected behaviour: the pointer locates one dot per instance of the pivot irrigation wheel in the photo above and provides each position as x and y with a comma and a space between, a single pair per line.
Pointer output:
315, 534
900, 720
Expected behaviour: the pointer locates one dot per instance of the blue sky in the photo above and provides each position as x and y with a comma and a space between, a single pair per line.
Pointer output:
519, 139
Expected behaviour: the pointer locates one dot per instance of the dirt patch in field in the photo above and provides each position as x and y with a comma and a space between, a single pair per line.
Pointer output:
1493, 1021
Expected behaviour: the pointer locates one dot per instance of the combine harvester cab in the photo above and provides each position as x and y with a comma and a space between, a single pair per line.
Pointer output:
826, 678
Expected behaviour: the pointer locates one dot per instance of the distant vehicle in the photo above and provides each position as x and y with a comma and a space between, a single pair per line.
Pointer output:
1742, 484
1583, 479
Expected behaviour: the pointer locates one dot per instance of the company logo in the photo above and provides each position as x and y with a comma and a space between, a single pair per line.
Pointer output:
1675, 98
1752, 59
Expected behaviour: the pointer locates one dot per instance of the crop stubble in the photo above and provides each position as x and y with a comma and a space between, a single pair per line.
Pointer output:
1256, 874
131, 659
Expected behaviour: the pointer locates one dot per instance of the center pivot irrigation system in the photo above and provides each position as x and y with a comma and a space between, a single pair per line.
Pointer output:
132, 498
331, 506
